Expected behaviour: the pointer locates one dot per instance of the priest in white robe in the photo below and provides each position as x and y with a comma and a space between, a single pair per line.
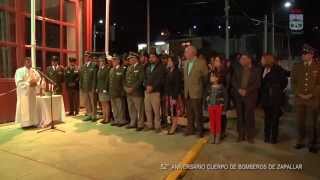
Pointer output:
27, 80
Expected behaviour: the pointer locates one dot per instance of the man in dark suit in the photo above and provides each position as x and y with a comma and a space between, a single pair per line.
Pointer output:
274, 81
153, 82
195, 77
56, 73
72, 84
246, 82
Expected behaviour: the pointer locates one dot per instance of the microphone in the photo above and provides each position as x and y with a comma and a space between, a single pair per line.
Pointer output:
37, 68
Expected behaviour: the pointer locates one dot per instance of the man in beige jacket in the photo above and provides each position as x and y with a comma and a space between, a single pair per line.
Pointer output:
195, 78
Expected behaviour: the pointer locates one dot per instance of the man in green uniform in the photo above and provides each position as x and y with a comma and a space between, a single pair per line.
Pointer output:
88, 79
133, 86
71, 76
116, 79
306, 88
56, 73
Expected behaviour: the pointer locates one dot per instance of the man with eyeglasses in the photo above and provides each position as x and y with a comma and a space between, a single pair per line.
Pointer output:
306, 89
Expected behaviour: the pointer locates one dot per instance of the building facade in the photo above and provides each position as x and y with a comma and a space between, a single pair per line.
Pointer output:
63, 29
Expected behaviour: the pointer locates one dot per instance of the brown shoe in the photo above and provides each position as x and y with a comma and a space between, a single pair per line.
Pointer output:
173, 129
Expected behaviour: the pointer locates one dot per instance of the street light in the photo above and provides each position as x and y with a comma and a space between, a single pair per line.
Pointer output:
100, 21
287, 4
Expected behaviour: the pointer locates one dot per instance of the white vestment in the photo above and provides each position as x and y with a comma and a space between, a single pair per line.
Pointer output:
26, 112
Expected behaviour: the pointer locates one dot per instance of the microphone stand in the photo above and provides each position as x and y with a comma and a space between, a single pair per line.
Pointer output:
52, 126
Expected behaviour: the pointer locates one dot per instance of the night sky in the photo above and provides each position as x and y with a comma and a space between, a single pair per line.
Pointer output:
177, 17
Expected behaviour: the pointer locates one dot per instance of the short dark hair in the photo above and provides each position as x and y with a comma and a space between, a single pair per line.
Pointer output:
247, 55
155, 54
174, 59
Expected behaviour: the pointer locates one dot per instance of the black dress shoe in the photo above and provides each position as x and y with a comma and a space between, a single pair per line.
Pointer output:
105, 122
223, 136
274, 141
188, 133
139, 129
114, 124
267, 140
299, 146
131, 127
251, 141
94, 119
240, 139
200, 135
313, 150
148, 129
122, 124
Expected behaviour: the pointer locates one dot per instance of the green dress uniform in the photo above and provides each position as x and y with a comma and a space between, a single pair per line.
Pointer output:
88, 79
56, 73
103, 84
134, 80
306, 81
71, 76
116, 78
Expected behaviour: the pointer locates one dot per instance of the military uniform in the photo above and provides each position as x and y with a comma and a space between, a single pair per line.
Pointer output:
56, 73
103, 84
117, 94
71, 77
88, 79
306, 82
134, 81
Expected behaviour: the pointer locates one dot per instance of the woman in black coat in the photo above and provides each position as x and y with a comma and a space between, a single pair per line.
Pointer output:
274, 82
172, 93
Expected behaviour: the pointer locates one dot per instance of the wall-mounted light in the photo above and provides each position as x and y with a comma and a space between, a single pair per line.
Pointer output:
160, 43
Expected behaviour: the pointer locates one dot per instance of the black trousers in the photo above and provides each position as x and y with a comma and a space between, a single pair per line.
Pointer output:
73, 97
271, 122
224, 124
246, 117
194, 115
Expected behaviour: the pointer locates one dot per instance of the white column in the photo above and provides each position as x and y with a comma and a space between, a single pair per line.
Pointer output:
33, 33
265, 39
95, 37
148, 27
107, 28
273, 50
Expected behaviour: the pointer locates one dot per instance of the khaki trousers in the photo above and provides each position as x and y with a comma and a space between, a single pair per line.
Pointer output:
152, 107
118, 109
91, 107
136, 111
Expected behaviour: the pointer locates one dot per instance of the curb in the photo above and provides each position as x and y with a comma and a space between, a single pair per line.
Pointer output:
188, 159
